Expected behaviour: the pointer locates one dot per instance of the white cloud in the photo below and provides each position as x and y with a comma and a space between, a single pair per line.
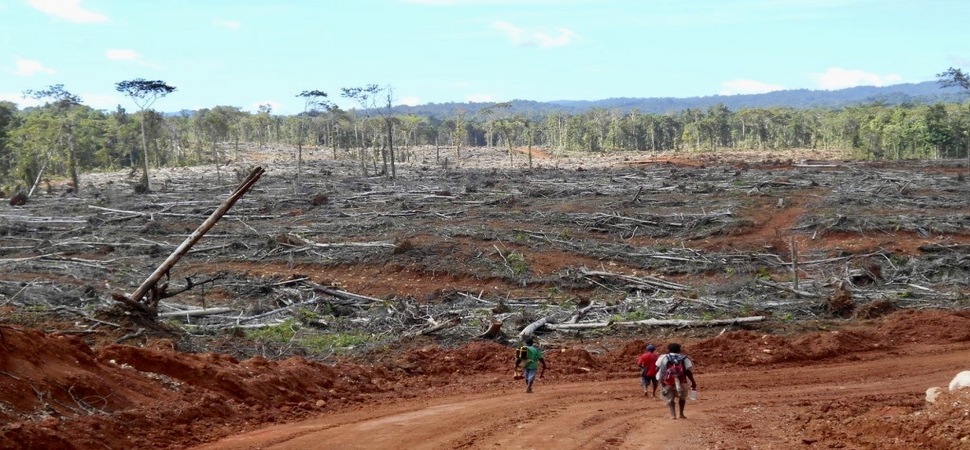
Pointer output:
409, 101
480, 98
122, 54
838, 78
67, 9
521, 36
742, 86
103, 101
20, 101
30, 67
230, 24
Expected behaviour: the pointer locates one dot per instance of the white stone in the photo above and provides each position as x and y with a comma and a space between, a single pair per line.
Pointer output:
932, 393
962, 380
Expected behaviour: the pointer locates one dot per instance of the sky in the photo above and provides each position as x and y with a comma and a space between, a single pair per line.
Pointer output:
247, 53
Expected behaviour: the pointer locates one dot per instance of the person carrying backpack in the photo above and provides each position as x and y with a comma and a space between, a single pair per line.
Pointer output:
528, 358
648, 370
674, 369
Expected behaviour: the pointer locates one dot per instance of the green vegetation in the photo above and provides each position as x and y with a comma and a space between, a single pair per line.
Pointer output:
283, 332
339, 343
630, 316
64, 136
517, 263
290, 331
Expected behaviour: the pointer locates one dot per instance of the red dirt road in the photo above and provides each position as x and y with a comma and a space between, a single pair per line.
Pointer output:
758, 407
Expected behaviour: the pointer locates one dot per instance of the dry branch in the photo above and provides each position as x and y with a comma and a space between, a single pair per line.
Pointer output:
655, 323
639, 281
438, 326
341, 294
788, 289
195, 312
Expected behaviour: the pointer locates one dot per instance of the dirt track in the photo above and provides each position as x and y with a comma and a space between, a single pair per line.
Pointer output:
748, 408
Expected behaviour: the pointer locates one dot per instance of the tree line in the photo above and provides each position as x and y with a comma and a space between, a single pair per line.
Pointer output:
64, 137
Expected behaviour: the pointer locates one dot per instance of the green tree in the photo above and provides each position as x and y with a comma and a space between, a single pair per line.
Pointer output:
8, 118
957, 78
63, 103
144, 93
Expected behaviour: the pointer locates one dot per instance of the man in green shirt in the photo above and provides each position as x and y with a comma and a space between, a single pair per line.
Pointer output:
529, 357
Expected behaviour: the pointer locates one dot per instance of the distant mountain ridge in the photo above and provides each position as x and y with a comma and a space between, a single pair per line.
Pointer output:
908, 93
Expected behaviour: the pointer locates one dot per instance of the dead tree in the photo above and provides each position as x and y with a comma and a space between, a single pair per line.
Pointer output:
137, 300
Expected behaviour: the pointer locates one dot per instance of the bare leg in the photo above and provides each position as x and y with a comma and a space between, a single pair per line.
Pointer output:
682, 403
673, 414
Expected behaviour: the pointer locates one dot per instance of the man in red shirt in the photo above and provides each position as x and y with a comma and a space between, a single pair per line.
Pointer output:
648, 369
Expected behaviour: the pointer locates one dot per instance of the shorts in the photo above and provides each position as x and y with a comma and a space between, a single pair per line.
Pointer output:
530, 374
648, 380
670, 392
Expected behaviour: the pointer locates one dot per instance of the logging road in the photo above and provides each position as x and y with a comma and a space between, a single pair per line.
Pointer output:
759, 407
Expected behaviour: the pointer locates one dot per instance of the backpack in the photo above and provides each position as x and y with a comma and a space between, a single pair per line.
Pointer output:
675, 370
522, 356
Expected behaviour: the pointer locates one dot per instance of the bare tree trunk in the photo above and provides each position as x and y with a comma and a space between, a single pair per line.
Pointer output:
72, 158
299, 159
390, 145
144, 148
135, 299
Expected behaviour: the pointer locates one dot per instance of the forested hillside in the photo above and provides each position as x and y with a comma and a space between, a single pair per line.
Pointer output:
65, 137
911, 93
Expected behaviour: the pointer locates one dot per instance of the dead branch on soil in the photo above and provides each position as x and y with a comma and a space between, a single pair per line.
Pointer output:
437, 326
638, 282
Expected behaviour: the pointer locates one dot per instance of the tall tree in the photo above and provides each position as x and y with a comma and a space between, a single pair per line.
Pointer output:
311, 101
954, 78
366, 97
62, 102
8, 115
144, 93
957, 78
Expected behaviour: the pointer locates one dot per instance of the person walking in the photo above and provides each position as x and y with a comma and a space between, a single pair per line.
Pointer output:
648, 370
674, 369
529, 358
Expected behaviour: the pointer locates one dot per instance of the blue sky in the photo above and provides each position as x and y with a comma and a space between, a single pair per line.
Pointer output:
250, 52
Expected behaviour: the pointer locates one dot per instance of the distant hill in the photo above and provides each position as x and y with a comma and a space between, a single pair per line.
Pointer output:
910, 93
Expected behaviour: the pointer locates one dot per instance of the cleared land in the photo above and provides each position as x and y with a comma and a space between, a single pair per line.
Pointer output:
359, 302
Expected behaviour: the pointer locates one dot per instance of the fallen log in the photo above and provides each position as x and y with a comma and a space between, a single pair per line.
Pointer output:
653, 322
580, 313
531, 329
195, 312
356, 298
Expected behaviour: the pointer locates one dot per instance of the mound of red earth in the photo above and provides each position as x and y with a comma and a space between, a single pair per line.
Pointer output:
57, 392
